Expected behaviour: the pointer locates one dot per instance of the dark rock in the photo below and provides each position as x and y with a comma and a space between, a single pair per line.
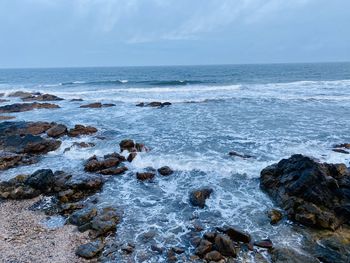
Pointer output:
333, 249
165, 171
312, 193
9, 160
244, 156
340, 151
20, 107
213, 256
275, 216
82, 216
29, 144
23, 128
128, 248
166, 104
81, 130
108, 105
210, 236
288, 255
342, 145
203, 248
131, 156
127, 145
21, 94
42, 97
198, 197
145, 176
171, 256
178, 250
92, 105
43, 180
236, 234
93, 164
90, 250
157, 249
57, 131
141, 104
225, 246
265, 243
155, 104
76, 100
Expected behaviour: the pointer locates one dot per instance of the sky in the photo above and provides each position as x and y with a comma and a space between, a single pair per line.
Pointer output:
69, 33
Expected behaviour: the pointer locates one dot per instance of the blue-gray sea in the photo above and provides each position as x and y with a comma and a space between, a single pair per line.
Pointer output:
267, 111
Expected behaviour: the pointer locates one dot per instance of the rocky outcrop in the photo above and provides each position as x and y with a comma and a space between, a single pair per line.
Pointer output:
20, 107
9, 160
312, 193
57, 131
199, 196
109, 165
5, 118
90, 250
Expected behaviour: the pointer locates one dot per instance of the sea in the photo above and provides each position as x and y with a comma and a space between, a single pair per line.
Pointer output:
267, 111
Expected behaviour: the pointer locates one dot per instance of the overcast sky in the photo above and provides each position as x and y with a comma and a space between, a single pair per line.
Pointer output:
59, 33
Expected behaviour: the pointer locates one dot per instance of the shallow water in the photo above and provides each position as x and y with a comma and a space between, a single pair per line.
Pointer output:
267, 111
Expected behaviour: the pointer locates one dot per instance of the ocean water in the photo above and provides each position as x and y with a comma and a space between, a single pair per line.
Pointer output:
267, 111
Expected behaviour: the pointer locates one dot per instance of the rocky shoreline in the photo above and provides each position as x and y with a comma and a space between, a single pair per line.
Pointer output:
314, 196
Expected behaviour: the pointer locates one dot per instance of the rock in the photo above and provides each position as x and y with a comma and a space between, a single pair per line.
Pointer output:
127, 145
340, 151
312, 193
210, 236
81, 130
28, 144
42, 97
157, 249
97, 105
244, 156
265, 243
93, 164
145, 176
289, 255
76, 100
20, 107
131, 156
128, 248
178, 250
275, 216
9, 160
80, 145
114, 171
57, 131
4, 118
203, 248
90, 250
236, 234
213, 256
225, 246
22, 128
43, 180
155, 104
171, 256
165, 171
141, 104
198, 197
342, 145
82, 216
21, 94
106, 221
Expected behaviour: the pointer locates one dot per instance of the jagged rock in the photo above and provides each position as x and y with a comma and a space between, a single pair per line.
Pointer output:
289, 255
42, 180
244, 156
42, 97
114, 171
145, 176
93, 164
213, 256
198, 197
20, 107
90, 250
165, 171
82, 216
57, 131
21, 128
131, 156
312, 193
225, 246
97, 105
81, 130
106, 221
203, 248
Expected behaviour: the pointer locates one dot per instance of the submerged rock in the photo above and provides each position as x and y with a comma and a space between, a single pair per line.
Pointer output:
42, 97
20, 107
154, 104
340, 151
97, 105
199, 196
22, 94
145, 176
244, 156
312, 193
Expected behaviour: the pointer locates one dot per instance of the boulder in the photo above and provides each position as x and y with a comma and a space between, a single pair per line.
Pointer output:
57, 131
9, 160
82, 216
23, 128
342, 145
97, 105
114, 171
289, 255
312, 193
165, 171
105, 222
236, 234
81, 130
264, 243
20, 107
225, 245
131, 156
90, 250
275, 216
213, 256
203, 248
42, 180
199, 196
93, 164
127, 144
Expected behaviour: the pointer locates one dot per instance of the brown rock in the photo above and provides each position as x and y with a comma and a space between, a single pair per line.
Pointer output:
236, 234
131, 156
225, 246
9, 160
203, 248
275, 216
4, 118
20, 107
81, 130
42, 97
145, 176
57, 131
165, 171
114, 171
213, 256
127, 145
198, 197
